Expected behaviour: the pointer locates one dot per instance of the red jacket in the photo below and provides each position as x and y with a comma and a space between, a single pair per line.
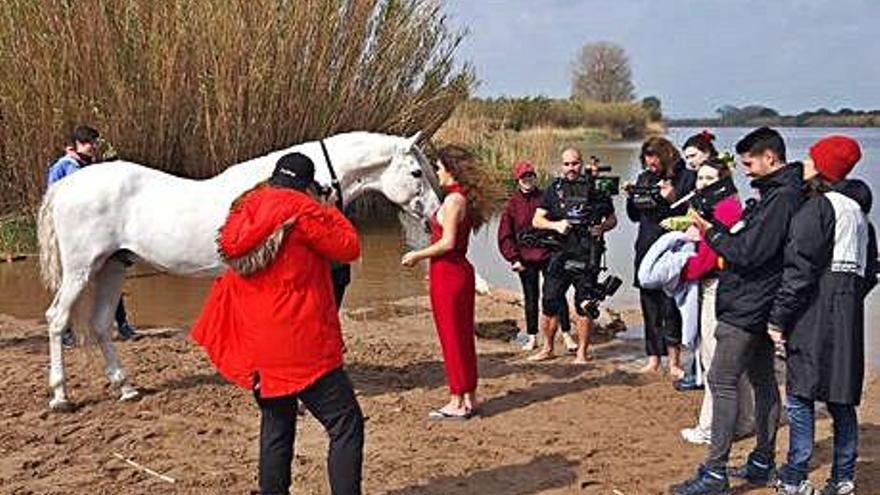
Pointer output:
516, 218
279, 322
728, 211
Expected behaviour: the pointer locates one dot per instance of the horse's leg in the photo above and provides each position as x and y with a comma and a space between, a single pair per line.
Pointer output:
58, 316
108, 289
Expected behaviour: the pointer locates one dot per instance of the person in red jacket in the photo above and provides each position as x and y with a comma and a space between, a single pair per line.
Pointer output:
270, 323
528, 261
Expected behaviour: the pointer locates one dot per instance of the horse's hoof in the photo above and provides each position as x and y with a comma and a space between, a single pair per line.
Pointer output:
129, 393
61, 405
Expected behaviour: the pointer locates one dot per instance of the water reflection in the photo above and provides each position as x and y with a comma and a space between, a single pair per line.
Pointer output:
155, 300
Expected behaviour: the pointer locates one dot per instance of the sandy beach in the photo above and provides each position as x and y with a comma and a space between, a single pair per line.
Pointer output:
545, 428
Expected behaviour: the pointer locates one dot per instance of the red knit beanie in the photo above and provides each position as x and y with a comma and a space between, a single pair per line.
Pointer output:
522, 168
835, 156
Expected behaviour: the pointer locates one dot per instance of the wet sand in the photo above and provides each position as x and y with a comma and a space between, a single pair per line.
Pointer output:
546, 428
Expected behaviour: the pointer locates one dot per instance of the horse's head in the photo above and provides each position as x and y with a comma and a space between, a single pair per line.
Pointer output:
410, 182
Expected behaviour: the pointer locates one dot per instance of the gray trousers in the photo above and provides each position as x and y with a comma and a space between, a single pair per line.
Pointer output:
738, 352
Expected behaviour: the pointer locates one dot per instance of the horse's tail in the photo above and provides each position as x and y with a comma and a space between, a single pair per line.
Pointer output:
50, 260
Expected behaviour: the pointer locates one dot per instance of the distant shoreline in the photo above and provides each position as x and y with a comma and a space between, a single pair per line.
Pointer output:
860, 119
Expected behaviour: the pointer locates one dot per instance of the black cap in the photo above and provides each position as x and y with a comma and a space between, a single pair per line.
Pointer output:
294, 170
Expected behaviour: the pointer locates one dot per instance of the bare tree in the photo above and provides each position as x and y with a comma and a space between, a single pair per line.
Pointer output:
601, 72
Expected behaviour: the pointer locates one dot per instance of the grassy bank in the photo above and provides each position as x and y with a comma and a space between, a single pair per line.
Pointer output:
18, 235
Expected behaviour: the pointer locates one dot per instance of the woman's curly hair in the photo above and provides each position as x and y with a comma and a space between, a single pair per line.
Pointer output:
482, 187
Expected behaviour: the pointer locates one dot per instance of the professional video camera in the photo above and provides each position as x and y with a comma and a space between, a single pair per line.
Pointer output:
646, 192
584, 201
704, 200
589, 294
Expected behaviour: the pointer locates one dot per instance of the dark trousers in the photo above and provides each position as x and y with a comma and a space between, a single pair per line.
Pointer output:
341, 276
738, 352
802, 430
121, 317
332, 402
529, 278
662, 321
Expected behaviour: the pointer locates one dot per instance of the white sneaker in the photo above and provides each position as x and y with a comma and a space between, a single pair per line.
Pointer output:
697, 436
571, 345
531, 343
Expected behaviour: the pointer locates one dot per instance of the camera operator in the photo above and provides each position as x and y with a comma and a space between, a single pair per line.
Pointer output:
574, 209
649, 200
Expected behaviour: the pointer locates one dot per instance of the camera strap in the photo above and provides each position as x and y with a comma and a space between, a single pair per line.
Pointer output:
334, 181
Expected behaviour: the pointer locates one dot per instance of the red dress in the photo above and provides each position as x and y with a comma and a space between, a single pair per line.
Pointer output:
452, 301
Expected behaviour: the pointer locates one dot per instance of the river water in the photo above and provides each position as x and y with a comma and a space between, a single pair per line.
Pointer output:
161, 300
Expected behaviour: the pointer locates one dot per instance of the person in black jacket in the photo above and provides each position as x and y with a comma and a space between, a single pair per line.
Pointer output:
830, 265
665, 179
753, 253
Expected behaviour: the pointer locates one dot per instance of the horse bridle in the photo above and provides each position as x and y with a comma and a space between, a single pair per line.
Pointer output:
424, 164
334, 180
428, 172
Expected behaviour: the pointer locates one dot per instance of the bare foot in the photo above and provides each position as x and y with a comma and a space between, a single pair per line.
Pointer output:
649, 368
583, 360
542, 355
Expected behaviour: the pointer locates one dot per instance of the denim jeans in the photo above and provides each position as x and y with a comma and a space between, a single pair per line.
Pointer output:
738, 351
802, 419
332, 402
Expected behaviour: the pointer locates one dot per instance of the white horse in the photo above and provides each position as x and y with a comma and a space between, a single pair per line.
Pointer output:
171, 223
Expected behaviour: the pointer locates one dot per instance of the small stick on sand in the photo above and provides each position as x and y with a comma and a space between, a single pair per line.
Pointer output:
144, 469
617, 492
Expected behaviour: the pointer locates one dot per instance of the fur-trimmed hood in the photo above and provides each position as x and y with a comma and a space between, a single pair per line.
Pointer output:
257, 225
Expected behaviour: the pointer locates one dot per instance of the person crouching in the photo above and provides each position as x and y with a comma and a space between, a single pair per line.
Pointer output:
270, 324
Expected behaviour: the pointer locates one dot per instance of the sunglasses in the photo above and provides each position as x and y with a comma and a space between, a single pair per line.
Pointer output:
572, 164
528, 175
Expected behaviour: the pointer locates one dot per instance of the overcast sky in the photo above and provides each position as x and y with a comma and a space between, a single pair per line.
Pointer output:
696, 55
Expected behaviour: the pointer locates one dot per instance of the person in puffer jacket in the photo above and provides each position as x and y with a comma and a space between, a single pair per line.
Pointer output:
819, 311
270, 323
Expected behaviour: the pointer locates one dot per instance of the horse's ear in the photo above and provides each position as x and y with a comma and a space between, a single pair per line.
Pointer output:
412, 140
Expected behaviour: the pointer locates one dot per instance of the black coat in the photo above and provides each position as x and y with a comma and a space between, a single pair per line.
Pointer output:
650, 230
830, 265
753, 250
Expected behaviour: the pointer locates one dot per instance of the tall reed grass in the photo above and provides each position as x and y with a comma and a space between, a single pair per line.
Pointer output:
616, 119
500, 148
193, 86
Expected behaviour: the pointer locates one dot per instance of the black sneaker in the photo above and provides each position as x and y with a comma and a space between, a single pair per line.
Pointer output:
127, 332
705, 482
687, 384
755, 472
68, 339
845, 487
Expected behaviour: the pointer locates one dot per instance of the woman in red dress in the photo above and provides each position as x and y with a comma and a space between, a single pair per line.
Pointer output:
452, 277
